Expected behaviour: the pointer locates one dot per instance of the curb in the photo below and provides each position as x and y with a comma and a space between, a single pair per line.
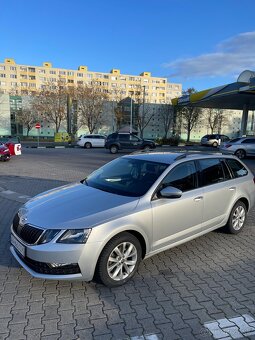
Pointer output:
51, 147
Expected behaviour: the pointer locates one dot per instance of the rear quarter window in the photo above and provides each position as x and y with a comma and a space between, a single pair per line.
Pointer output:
211, 171
237, 169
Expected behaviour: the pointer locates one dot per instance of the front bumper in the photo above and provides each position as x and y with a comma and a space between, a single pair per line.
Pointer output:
40, 260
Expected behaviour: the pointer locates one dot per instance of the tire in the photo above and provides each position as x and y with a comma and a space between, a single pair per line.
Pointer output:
114, 149
236, 219
114, 274
87, 145
240, 153
215, 144
146, 147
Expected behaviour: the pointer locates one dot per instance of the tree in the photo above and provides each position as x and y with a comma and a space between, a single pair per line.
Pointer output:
51, 103
190, 115
223, 120
117, 97
144, 114
90, 103
26, 116
166, 114
211, 117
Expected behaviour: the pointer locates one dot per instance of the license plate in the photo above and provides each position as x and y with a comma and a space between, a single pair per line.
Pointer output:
18, 246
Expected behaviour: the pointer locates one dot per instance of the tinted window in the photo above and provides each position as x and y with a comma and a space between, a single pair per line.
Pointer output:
211, 171
237, 168
124, 137
249, 141
183, 177
234, 140
134, 139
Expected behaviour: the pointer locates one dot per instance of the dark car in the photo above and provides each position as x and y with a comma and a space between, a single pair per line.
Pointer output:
214, 140
118, 141
4, 152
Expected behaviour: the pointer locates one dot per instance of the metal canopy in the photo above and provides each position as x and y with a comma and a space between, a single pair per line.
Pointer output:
236, 96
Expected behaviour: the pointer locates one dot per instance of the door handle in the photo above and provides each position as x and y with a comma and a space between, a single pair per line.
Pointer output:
232, 188
199, 198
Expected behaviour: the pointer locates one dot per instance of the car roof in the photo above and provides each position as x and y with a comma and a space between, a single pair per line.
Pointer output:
171, 157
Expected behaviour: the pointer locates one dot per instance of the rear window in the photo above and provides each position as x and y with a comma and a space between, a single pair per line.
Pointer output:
237, 168
234, 140
211, 171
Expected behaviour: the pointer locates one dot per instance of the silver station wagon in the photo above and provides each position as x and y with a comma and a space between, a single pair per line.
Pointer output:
131, 208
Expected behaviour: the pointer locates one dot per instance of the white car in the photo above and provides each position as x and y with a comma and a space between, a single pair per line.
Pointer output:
91, 141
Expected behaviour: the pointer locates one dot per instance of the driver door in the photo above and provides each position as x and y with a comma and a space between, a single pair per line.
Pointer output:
176, 219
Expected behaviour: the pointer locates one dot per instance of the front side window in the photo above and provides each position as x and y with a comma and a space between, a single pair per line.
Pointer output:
237, 168
182, 177
249, 141
211, 171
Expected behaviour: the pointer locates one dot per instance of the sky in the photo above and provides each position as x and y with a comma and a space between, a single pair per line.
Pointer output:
197, 43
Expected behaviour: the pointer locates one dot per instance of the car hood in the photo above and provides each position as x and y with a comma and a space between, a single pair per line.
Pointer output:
75, 206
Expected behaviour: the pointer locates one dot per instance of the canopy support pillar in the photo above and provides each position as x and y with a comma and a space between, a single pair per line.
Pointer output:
244, 120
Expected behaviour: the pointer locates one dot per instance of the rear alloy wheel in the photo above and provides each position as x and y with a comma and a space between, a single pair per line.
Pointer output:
119, 260
87, 145
236, 219
114, 149
240, 153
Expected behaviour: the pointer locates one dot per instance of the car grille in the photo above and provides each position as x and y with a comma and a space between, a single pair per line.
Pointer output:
46, 268
26, 232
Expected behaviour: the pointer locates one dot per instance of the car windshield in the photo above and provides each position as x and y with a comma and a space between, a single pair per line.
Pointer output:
126, 176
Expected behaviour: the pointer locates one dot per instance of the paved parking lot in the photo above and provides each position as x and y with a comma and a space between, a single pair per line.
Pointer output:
204, 289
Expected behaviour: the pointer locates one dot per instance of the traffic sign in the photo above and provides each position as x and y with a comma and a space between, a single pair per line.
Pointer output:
37, 125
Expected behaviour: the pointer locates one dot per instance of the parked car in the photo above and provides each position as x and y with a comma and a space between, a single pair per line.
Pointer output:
119, 141
214, 140
5, 154
91, 141
241, 147
131, 208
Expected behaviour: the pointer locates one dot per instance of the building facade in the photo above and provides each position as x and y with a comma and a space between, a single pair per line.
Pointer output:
26, 79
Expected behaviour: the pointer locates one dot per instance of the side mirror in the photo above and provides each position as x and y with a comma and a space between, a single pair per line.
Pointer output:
170, 192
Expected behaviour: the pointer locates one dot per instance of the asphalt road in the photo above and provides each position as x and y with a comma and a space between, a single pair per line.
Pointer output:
204, 289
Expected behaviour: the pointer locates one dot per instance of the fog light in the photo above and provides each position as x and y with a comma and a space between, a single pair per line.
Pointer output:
56, 265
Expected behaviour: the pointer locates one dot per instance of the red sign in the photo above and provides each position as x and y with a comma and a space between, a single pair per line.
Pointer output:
37, 125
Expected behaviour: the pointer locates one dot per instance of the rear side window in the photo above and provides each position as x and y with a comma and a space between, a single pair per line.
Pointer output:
249, 141
237, 168
183, 177
211, 171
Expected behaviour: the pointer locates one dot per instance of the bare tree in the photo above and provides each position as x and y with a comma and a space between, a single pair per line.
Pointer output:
190, 115
144, 114
90, 102
211, 118
223, 120
166, 114
27, 116
117, 97
51, 103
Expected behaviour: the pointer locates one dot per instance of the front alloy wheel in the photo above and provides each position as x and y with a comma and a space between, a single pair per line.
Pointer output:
119, 260
113, 149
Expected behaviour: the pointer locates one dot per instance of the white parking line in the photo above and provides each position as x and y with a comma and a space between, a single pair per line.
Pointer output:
238, 327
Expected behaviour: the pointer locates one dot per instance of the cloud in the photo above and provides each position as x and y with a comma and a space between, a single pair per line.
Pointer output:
230, 57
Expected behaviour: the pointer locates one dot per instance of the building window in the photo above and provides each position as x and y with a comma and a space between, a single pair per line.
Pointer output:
114, 85
23, 84
31, 85
42, 78
106, 77
2, 75
79, 82
98, 75
31, 77
2, 68
2, 83
80, 75
113, 78
90, 75
14, 84
70, 73
52, 72
41, 71
23, 76
62, 72
53, 79
31, 69
70, 81
13, 76
23, 68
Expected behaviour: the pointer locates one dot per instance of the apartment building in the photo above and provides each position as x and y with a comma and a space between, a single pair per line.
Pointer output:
28, 78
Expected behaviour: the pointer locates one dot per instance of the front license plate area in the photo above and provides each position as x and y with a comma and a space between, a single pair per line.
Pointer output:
18, 246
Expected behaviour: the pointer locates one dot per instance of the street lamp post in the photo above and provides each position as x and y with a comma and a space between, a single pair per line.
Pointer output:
131, 115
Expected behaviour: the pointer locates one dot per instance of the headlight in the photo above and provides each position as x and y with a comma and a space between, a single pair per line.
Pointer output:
74, 236
48, 235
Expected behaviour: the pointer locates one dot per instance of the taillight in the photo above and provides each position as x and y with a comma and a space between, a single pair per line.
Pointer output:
228, 145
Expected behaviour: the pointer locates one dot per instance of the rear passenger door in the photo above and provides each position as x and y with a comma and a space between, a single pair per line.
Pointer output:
218, 193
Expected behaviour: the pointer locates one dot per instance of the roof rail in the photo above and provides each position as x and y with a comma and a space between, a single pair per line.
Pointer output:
183, 155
